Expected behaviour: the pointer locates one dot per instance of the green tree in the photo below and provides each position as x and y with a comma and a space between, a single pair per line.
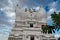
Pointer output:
56, 19
59, 38
48, 29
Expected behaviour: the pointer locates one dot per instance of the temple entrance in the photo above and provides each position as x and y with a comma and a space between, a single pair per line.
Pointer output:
32, 38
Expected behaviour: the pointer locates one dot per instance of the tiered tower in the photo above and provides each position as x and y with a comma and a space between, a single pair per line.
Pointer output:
28, 24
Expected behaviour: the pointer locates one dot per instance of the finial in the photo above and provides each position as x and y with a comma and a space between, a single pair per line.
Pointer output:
17, 4
34, 10
30, 10
25, 9
17, 7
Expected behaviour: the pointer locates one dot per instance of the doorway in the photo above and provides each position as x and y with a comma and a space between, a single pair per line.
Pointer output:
32, 38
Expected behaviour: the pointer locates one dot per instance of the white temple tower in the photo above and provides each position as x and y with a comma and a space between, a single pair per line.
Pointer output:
28, 25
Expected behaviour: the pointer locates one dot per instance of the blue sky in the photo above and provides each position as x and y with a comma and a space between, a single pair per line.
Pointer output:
7, 14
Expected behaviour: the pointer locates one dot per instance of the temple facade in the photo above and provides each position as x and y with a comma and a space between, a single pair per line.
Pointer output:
28, 25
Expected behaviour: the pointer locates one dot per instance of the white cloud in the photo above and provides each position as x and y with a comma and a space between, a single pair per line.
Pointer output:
51, 11
49, 18
37, 8
3, 36
3, 3
10, 14
53, 4
9, 11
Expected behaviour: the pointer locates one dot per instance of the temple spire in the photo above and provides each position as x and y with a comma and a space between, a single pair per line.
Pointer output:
42, 11
17, 8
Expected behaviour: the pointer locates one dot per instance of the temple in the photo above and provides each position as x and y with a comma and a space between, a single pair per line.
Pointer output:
28, 25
